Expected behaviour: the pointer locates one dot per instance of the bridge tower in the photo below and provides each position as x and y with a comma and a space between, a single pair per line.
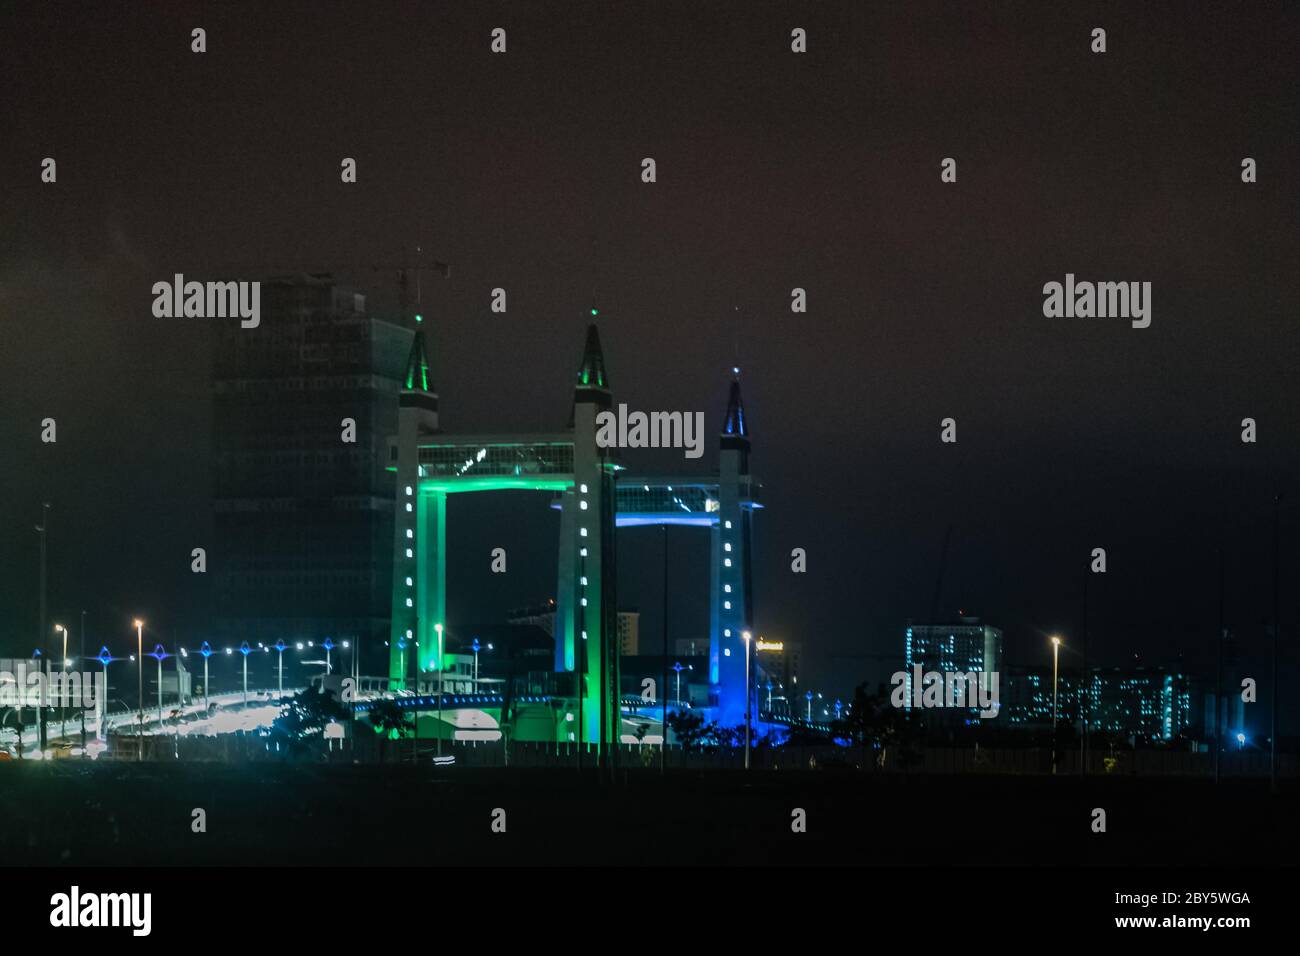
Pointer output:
419, 531
731, 584
586, 619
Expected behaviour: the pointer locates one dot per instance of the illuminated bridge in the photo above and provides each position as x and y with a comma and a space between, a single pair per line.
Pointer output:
594, 498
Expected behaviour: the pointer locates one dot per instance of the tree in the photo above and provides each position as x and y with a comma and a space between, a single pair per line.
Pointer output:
389, 719
305, 715
688, 727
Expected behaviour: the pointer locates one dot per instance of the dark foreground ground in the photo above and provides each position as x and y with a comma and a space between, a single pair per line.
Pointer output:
79, 814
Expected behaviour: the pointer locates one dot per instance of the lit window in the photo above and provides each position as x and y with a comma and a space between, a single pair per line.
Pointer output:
728, 524
726, 652
410, 553
584, 532
727, 546
584, 581
583, 552
726, 605
582, 505
727, 588
582, 488
410, 533
726, 562
408, 506
408, 489
726, 632
584, 602
409, 603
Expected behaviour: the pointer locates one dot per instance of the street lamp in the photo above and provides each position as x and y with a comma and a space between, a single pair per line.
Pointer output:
441, 671
139, 657
159, 655
63, 686
679, 668
808, 697
104, 658
475, 647
747, 636
1056, 650
279, 649
245, 649
206, 650
329, 645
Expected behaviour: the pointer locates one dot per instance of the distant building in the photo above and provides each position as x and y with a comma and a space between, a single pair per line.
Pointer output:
629, 633
1144, 704
304, 517
960, 647
543, 616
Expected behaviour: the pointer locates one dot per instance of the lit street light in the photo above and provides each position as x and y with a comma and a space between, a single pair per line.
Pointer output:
104, 658
808, 696
63, 687
441, 671
279, 649
139, 656
159, 655
748, 694
329, 645
244, 649
1056, 650
206, 650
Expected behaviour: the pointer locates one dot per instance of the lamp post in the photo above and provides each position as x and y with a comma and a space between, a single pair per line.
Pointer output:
159, 655
139, 658
679, 668
747, 636
105, 658
279, 650
1056, 650
206, 650
438, 629
244, 649
329, 645
83, 709
63, 685
41, 737
808, 697
475, 647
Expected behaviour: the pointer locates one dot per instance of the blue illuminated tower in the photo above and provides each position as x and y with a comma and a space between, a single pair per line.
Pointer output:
731, 589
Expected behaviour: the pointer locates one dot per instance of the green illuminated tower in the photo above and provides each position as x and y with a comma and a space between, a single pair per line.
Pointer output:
586, 621
420, 530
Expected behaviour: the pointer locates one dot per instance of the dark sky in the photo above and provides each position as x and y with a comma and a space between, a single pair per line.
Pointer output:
775, 170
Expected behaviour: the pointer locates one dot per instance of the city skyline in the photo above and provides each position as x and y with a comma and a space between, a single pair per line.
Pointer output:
1072, 433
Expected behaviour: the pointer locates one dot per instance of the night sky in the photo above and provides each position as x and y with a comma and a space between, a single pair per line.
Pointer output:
775, 171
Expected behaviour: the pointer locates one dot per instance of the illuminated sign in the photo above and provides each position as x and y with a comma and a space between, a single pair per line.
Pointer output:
769, 646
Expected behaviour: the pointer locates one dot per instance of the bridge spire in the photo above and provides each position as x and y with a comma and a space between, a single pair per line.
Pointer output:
591, 374
733, 423
417, 366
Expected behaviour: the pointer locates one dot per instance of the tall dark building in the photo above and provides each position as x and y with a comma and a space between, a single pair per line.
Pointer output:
304, 517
